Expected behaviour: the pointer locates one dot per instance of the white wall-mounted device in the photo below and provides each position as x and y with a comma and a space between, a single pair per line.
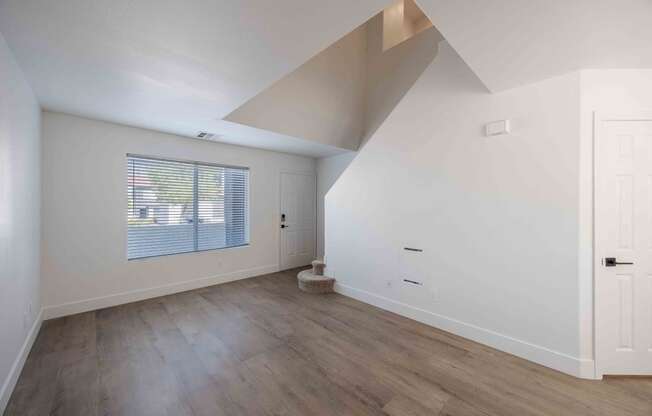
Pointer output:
497, 128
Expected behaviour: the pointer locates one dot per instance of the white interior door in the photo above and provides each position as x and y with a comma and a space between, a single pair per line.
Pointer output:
298, 199
623, 232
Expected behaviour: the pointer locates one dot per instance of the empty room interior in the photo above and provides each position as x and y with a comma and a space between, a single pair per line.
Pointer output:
302, 207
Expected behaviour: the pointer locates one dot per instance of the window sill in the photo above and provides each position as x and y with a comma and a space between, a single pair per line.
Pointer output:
190, 252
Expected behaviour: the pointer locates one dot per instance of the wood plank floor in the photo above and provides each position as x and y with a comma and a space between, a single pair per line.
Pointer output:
261, 347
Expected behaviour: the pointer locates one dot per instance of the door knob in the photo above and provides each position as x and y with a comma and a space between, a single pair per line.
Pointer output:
285, 226
611, 262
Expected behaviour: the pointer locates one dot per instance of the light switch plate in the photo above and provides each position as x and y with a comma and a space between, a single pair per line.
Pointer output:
497, 128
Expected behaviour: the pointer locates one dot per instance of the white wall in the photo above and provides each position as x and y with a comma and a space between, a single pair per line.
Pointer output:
20, 152
84, 226
610, 92
497, 217
390, 74
328, 170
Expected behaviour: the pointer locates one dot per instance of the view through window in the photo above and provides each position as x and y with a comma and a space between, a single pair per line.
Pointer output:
179, 207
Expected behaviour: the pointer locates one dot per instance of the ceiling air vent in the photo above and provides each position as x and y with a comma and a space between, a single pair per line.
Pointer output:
205, 135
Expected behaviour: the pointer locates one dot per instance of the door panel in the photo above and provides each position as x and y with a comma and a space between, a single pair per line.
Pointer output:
298, 196
623, 229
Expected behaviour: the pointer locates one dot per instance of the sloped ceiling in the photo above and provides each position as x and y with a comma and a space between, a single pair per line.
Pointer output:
344, 93
514, 42
173, 66
323, 100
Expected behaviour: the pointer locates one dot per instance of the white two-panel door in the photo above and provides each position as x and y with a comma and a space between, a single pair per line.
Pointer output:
623, 246
298, 226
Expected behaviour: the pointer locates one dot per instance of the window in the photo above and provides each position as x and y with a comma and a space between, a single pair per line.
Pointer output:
179, 207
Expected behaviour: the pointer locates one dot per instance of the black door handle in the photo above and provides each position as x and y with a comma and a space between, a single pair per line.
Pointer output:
285, 226
611, 262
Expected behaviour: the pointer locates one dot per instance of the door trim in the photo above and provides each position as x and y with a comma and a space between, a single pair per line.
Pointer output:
279, 242
598, 118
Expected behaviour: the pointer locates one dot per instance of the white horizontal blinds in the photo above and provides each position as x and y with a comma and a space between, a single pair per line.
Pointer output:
236, 202
178, 207
222, 206
160, 207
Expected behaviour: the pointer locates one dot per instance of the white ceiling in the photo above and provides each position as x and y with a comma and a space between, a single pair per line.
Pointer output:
169, 65
513, 42
181, 66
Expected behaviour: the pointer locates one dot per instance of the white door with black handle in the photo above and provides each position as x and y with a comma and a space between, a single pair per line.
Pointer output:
297, 219
623, 246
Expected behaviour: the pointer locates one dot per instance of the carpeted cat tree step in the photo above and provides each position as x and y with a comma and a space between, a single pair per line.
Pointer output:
314, 281
318, 267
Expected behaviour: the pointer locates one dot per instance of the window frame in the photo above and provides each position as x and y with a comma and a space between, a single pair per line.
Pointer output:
195, 164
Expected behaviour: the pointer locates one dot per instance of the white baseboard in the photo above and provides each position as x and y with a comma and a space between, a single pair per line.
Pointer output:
577, 367
10, 382
71, 308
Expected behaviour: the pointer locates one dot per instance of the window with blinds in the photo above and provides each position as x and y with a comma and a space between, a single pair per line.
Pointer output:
179, 207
